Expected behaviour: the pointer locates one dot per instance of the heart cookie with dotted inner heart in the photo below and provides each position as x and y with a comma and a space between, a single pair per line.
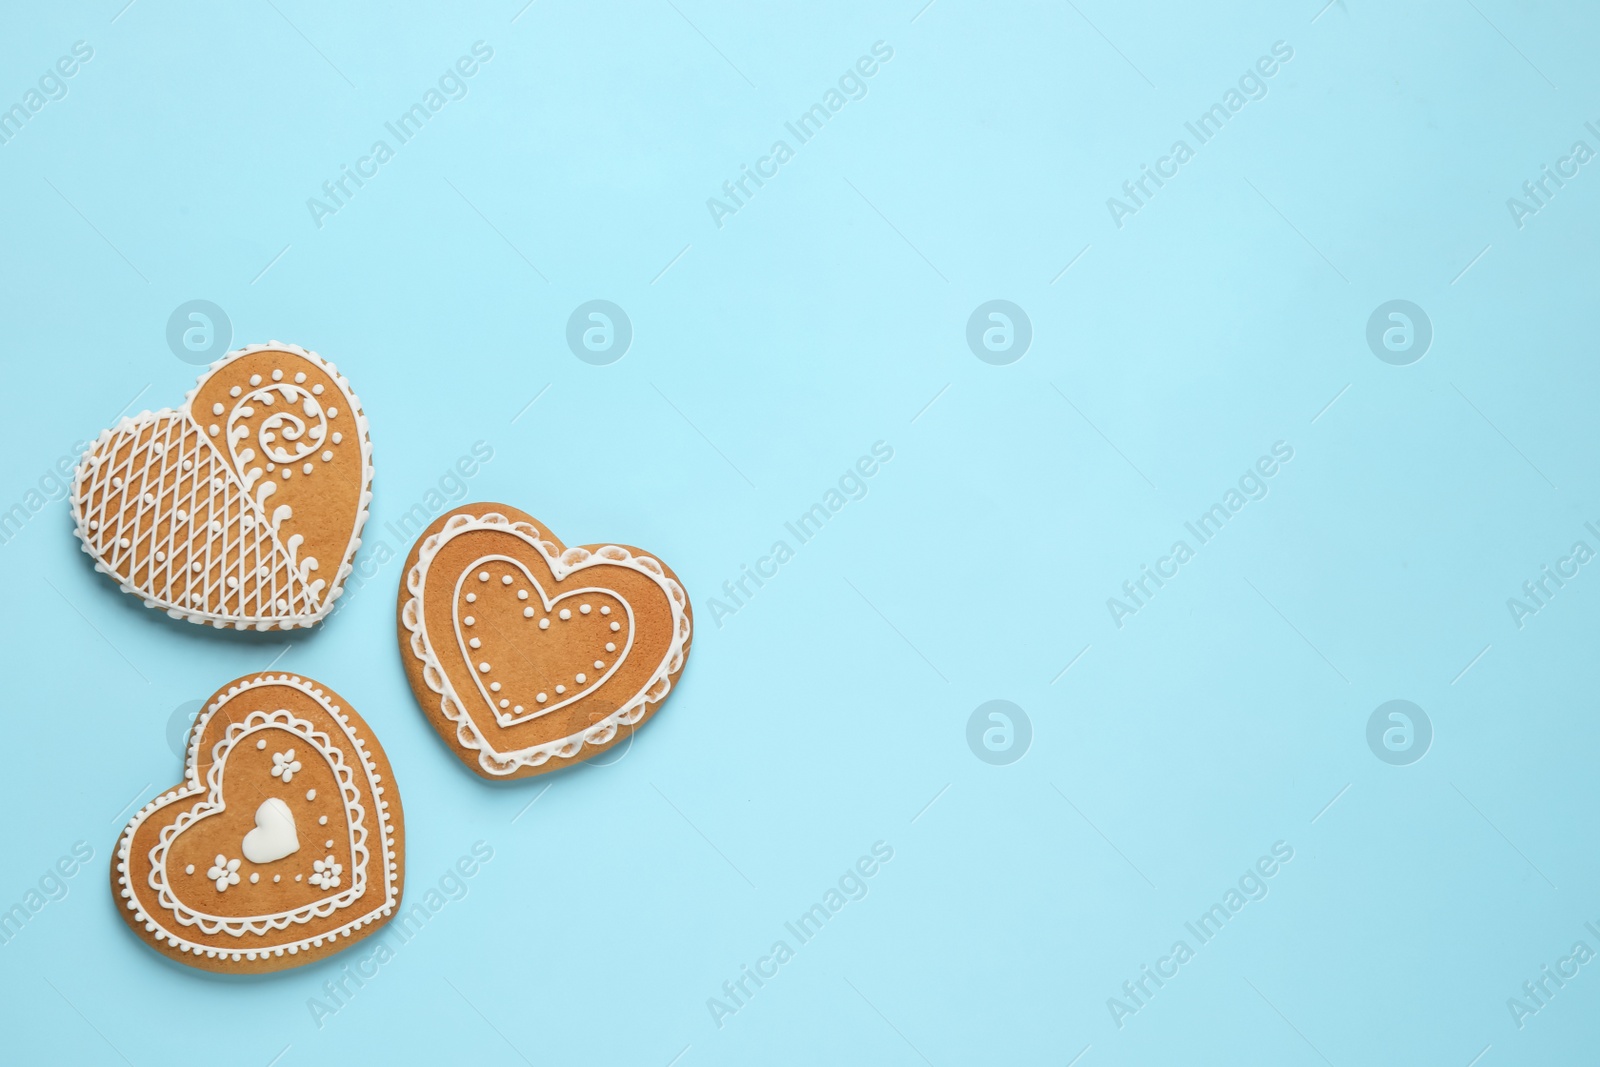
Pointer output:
528, 656
244, 506
284, 843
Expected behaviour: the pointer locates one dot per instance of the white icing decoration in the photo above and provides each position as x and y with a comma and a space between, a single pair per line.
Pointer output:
159, 466
284, 765
224, 872
327, 873
172, 916
562, 565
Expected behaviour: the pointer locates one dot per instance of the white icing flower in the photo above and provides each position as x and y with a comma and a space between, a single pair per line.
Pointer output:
224, 872
284, 765
327, 873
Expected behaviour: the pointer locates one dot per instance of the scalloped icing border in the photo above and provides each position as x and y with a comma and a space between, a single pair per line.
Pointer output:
192, 787
222, 622
562, 564
212, 802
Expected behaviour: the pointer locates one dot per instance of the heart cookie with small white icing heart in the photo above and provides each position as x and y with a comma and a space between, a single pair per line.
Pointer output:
244, 506
528, 656
284, 843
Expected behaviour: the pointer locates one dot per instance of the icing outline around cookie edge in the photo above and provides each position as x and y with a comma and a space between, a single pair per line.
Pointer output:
389, 832
450, 706
182, 409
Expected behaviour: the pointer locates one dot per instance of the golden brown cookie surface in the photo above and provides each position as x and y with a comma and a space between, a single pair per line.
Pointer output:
242, 507
285, 842
528, 656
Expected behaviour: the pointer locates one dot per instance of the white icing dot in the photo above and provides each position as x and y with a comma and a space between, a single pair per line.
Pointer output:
311, 794
483, 668
306, 469
272, 468
213, 429
255, 379
581, 679
189, 869
583, 609
544, 624
300, 377
483, 576
505, 703
565, 614
517, 709
125, 543
605, 611
615, 627
94, 524
494, 687
254, 878
610, 647
188, 464
505, 579
522, 594
333, 413
337, 437
286, 473
561, 689
322, 820
161, 557
599, 664
216, 409
262, 571
278, 878
469, 620
327, 844
233, 582
474, 643
472, 598
527, 613
195, 566
316, 390
277, 375
326, 456
261, 745
298, 877
235, 391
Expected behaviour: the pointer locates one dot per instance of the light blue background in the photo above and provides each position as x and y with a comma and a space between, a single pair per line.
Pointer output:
830, 710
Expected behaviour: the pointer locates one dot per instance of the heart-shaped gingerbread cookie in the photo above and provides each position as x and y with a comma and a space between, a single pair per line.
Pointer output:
244, 506
284, 843
528, 656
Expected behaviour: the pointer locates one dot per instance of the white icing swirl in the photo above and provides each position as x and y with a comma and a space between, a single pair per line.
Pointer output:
286, 435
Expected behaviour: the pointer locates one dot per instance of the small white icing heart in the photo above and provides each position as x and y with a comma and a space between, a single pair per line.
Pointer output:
274, 836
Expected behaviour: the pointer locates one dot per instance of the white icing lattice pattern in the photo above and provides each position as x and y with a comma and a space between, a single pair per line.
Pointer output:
166, 514
177, 505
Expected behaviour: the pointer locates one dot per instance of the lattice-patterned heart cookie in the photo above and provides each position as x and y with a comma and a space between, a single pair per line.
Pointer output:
284, 843
244, 506
528, 656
